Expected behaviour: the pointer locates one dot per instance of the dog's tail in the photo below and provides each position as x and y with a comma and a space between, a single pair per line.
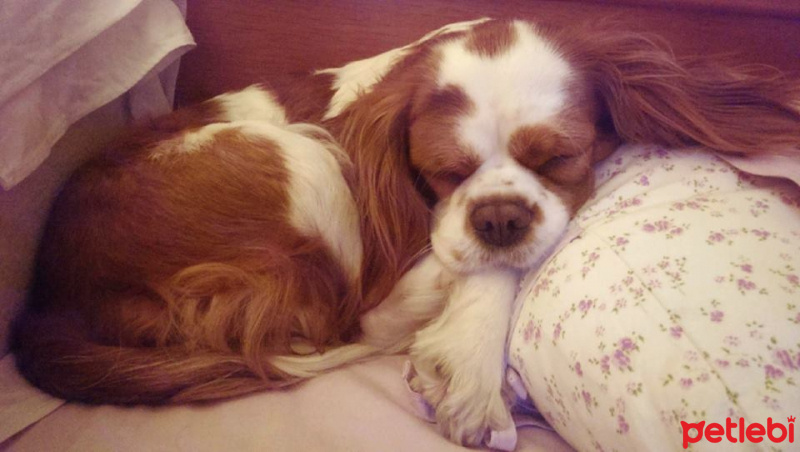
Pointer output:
55, 354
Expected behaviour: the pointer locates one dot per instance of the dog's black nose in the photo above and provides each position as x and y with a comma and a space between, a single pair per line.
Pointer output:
501, 222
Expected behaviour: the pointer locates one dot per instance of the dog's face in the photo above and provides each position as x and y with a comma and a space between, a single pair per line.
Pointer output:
505, 139
496, 124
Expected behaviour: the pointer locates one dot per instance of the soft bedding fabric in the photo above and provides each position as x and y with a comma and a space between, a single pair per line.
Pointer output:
63, 59
364, 407
676, 299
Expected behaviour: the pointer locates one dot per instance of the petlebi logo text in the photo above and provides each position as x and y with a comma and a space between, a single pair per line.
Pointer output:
738, 432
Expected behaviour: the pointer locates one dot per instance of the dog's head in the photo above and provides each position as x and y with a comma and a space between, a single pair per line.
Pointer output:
496, 126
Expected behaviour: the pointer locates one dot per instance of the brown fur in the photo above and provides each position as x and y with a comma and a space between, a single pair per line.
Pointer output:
434, 147
305, 96
157, 280
491, 39
395, 216
650, 96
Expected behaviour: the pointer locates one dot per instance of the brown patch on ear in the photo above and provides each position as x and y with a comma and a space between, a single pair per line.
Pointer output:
605, 144
394, 214
651, 96
491, 39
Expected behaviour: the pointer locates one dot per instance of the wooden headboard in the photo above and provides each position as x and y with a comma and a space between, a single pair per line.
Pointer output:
246, 41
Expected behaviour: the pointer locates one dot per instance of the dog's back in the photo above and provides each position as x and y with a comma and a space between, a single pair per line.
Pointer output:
173, 265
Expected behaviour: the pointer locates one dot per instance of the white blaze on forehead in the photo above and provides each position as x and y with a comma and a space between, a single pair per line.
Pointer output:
524, 85
357, 78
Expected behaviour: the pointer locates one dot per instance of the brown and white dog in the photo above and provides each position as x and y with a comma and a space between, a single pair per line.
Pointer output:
216, 251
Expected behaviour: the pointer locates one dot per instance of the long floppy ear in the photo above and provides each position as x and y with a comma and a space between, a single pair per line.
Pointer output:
650, 96
395, 217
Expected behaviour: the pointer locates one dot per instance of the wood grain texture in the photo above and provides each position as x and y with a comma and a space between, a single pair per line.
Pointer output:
241, 42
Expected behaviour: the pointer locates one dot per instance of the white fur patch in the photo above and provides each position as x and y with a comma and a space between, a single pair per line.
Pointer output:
188, 142
418, 297
357, 78
460, 356
321, 204
251, 104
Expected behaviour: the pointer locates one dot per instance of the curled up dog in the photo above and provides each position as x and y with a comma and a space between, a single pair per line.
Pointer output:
262, 238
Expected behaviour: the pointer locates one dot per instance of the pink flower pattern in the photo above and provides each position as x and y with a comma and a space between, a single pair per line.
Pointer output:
676, 332
716, 316
702, 288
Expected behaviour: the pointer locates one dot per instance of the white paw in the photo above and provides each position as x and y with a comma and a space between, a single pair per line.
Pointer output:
459, 358
467, 405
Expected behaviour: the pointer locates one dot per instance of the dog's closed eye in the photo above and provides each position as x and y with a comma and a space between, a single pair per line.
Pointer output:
556, 162
452, 177
446, 179
565, 168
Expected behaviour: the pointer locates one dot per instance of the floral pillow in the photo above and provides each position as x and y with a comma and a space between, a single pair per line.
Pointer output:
678, 300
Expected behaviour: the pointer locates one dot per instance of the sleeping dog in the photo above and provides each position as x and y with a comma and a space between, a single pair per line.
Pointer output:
261, 238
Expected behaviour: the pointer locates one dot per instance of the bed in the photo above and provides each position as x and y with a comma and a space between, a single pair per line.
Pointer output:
674, 297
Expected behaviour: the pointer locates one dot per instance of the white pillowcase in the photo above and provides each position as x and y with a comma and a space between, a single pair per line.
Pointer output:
679, 300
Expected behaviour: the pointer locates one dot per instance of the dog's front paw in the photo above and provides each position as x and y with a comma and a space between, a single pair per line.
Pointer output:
459, 358
467, 403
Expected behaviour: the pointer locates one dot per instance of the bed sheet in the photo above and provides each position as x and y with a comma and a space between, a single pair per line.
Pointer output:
363, 407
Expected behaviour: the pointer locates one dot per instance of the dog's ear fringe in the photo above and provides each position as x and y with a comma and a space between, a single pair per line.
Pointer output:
395, 218
652, 96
